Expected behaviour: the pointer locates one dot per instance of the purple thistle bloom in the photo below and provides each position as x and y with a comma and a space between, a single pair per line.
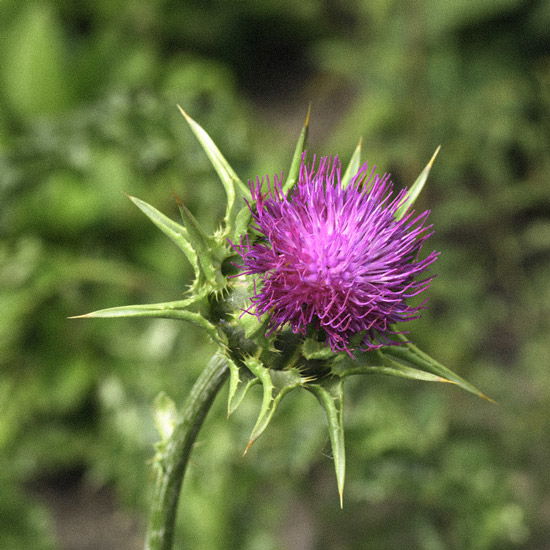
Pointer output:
336, 259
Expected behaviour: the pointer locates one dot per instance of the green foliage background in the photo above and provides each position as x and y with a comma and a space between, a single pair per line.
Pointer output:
87, 113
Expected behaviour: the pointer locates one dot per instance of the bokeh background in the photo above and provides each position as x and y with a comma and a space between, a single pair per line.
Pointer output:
87, 113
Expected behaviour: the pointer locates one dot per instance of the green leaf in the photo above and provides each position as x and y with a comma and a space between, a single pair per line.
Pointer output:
353, 166
240, 381
294, 170
255, 329
416, 187
166, 310
311, 349
209, 253
403, 361
174, 231
389, 367
242, 221
275, 385
134, 310
330, 394
231, 182
409, 355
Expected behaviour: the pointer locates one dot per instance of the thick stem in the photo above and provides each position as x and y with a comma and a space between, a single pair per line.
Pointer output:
172, 464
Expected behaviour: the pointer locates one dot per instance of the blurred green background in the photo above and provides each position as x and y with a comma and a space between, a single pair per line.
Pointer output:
87, 113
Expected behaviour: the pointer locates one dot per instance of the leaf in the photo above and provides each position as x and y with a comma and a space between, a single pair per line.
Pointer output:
330, 394
416, 187
311, 349
209, 253
409, 355
294, 171
390, 367
275, 385
230, 181
403, 361
242, 221
166, 310
134, 311
174, 231
353, 166
240, 381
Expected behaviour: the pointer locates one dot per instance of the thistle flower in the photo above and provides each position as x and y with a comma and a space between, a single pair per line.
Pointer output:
336, 258
338, 254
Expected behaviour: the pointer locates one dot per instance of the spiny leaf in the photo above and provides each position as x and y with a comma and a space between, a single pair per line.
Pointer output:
390, 368
240, 381
230, 181
353, 166
208, 252
167, 310
330, 394
174, 231
294, 170
409, 355
134, 311
416, 187
275, 385
312, 349
242, 221
256, 329
256, 367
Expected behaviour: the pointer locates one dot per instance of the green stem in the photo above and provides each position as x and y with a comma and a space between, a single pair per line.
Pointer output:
172, 464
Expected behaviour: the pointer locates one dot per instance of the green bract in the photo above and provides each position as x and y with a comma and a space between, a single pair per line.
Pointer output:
283, 361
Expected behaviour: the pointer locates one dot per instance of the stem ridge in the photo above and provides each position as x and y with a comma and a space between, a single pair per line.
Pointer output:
173, 462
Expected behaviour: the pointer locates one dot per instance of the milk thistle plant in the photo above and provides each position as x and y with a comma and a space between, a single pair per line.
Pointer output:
304, 284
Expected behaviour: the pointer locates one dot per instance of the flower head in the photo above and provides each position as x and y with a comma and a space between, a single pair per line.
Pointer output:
335, 258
